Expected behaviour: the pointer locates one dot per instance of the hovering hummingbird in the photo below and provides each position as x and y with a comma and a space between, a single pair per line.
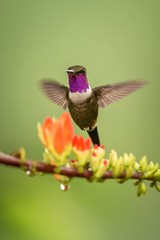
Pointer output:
83, 101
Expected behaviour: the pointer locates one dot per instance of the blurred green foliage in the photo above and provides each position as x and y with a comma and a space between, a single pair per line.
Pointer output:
116, 41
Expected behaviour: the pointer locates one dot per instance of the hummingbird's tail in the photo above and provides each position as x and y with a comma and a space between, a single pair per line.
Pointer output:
94, 136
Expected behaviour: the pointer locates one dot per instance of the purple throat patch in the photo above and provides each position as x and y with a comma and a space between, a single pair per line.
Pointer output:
78, 83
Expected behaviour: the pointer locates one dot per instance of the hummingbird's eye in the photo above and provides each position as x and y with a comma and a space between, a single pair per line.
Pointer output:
83, 71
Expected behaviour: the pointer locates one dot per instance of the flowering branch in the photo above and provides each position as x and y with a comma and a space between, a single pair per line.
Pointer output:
33, 167
67, 155
37, 166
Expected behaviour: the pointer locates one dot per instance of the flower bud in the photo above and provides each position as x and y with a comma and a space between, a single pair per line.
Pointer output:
143, 164
101, 168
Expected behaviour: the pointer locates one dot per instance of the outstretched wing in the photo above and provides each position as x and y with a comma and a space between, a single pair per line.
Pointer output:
111, 93
56, 92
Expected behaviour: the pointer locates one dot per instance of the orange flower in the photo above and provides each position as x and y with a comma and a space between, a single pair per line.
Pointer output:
81, 149
81, 144
56, 135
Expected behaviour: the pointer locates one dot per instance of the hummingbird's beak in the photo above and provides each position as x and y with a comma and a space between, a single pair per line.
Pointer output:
70, 71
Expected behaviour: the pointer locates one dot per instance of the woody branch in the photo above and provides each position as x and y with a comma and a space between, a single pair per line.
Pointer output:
13, 161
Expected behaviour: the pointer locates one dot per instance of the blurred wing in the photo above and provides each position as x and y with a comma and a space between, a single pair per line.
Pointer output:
111, 93
56, 92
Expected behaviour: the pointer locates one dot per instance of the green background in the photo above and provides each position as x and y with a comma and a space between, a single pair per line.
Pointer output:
115, 41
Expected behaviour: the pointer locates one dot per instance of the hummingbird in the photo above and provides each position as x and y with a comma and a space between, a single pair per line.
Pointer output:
83, 101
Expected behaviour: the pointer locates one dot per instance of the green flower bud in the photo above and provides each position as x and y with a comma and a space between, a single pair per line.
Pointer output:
129, 172
156, 167
95, 161
143, 188
113, 158
150, 166
157, 173
126, 159
83, 157
98, 153
139, 190
143, 164
136, 166
101, 168
148, 174
120, 181
119, 167
132, 159
136, 182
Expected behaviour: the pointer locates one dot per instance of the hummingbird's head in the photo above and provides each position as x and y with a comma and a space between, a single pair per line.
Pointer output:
77, 78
